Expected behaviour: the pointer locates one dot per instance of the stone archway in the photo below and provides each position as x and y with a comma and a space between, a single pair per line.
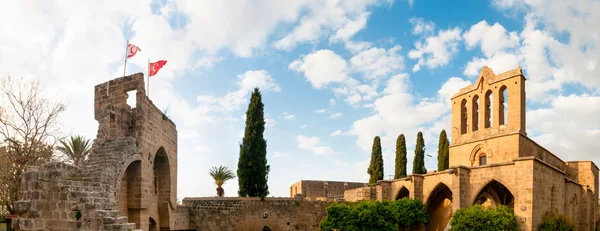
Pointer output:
403, 193
130, 192
162, 187
493, 194
152, 225
439, 208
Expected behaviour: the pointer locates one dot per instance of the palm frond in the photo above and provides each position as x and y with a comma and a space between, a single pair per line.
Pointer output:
76, 149
221, 174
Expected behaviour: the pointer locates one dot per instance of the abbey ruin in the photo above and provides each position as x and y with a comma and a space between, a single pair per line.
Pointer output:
130, 180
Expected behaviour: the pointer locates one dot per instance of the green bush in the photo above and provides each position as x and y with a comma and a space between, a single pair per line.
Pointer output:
478, 218
556, 222
374, 215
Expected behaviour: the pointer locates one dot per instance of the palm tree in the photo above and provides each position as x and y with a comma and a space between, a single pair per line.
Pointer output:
76, 149
221, 174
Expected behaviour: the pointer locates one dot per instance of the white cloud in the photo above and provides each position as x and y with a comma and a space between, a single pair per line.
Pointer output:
568, 126
377, 62
451, 87
233, 100
356, 47
436, 51
337, 133
499, 62
321, 67
320, 110
288, 116
420, 26
396, 102
355, 92
491, 39
346, 18
335, 115
304, 126
313, 144
332, 102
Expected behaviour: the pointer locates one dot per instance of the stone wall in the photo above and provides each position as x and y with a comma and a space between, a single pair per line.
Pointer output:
234, 213
322, 190
130, 179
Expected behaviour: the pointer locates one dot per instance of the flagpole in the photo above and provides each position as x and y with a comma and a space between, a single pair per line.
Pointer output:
148, 89
125, 66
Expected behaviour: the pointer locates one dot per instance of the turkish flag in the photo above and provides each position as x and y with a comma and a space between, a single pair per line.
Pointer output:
132, 50
154, 67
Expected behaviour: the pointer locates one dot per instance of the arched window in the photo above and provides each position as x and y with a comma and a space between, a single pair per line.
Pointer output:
503, 106
475, 113
463, 116
482, 159
488, 108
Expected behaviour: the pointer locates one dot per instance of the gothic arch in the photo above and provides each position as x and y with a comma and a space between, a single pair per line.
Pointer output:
130, 187
439, 207
494, 193
162, 186
463, 116
475, 113
477, 150
403, 193
502, 109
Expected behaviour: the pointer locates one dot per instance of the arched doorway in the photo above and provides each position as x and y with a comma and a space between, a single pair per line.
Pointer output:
162, 186
403, 193
130, 192
439, 208
494, 194
152, 225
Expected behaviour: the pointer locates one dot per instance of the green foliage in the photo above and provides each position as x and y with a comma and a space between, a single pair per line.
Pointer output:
77, 214
443, 152
221, 175
419, 161
376, 167
76, 149
2, 219
400, 157
252, 165
374, 215
556, 222
479, 218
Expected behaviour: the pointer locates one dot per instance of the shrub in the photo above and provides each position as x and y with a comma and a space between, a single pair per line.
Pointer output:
478, 218
556, 222
374, 215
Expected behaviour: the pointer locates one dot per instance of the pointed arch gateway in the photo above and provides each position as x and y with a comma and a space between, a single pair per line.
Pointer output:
494, 194
130, 191
403, 193
439, 208
162, 187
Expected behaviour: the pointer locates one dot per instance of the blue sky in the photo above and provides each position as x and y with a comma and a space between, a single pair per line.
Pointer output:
333, 74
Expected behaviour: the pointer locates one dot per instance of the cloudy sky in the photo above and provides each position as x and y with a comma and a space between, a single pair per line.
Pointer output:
333, 73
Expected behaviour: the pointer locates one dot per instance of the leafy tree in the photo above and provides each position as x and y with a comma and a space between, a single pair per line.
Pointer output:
29, 126
221, 175
553, 221
376, 167
374, 215
419, 161
76, 149
479, 218
400, 157
443, 152
252, 165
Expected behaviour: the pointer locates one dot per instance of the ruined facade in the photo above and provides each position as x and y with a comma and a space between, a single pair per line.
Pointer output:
493, 162
129, 181
322, 190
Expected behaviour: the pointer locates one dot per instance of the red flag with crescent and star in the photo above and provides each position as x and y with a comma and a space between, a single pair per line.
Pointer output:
132, 50
154, 67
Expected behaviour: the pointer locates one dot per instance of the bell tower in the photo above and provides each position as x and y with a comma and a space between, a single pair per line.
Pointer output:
492, 107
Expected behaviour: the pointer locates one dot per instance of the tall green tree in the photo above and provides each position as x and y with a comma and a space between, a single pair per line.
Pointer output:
443, 152
400, 157
376, 167
76, 149
252, 169
419, 161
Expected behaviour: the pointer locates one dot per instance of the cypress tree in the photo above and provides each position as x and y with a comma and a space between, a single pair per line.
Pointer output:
419, 161
443, 152
376, 167
400, 157
252, 169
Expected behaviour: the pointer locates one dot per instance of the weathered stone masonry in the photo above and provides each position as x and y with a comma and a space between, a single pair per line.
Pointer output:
129, 181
